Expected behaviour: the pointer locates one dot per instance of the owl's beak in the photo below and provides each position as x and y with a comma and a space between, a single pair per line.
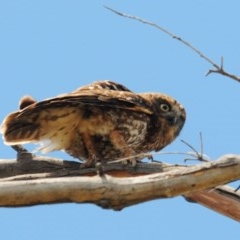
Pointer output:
180, 119
177, 118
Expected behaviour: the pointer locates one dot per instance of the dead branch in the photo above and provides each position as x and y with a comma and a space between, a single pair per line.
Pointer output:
35, 167
217, 69
223, 196
45, 181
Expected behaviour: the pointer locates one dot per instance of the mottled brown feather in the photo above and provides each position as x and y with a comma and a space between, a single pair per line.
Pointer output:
103, 121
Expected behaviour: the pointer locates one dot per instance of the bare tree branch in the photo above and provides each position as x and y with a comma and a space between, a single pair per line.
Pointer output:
54, 167
218, 69
45, 180
223, 196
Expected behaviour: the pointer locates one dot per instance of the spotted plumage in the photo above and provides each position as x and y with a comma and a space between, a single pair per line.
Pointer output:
103, 121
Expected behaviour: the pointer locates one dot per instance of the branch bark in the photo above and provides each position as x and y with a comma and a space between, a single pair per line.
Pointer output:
224, 200
45, 181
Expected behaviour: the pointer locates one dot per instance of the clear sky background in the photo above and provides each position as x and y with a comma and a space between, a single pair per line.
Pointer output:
50, 47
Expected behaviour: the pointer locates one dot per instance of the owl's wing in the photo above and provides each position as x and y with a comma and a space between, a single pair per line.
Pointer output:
97, 98
101, 93
23, 126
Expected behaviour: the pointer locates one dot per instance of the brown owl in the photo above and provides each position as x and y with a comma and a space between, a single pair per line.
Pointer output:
103, 121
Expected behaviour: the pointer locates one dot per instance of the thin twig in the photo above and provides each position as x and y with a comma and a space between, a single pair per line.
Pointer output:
218, 69
195, 155
199, 156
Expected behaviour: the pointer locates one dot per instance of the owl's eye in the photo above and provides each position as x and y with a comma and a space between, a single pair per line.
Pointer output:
164, 107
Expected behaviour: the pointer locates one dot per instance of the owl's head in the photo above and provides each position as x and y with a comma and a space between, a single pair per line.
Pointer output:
169, 115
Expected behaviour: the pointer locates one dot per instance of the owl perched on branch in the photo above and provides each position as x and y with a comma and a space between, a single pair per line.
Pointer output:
103, 121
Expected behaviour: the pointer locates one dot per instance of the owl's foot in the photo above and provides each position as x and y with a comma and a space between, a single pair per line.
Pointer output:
93, 157
133, 162
90, 163
99, 169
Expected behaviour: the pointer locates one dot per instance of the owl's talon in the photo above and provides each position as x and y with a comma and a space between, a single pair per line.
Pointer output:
124, 162
99, 169
132, 162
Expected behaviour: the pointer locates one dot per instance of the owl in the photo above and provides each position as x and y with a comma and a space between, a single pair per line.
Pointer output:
100, 122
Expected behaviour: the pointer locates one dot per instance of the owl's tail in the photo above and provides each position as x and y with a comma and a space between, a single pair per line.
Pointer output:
19, 130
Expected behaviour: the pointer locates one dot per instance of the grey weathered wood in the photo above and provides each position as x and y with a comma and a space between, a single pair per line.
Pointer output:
44, 181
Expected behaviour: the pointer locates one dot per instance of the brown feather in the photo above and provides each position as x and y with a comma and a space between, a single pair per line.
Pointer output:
103, 121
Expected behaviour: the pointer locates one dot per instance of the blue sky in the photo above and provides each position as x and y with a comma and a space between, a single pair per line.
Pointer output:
52, 47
